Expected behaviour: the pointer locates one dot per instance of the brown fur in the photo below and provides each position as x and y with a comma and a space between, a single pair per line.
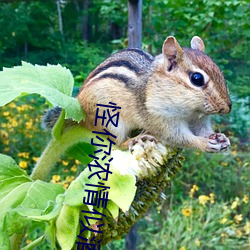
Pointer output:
156, 95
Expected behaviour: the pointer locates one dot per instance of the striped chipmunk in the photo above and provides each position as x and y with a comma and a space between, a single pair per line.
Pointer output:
168, 97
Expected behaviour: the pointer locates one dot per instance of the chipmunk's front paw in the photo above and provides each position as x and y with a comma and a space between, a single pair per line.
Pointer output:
141, 139
218, 142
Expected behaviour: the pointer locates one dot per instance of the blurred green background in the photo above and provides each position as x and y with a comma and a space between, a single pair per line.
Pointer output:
207, 206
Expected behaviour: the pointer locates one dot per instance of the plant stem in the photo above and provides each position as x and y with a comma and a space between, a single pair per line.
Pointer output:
52, 153
56, 147
16, 240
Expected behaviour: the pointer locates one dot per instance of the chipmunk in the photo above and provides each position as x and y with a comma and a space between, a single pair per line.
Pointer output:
170, 96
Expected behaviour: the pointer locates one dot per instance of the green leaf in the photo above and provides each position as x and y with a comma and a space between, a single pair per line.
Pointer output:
39, 194
122, 186
4, 240
76, 192
66, 226
81, 151
20, 198
9, 168
45, 216
122, 189
14, 198
53, 82
113, 209
11, 183
50, 234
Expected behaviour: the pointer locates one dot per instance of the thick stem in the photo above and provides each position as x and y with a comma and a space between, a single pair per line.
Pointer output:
57, 147
49, 158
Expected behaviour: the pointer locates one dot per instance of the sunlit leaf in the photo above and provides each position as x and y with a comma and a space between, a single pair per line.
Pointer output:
53, 82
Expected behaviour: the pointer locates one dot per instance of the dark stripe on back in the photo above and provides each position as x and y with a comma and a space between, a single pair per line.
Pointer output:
118, 77
142, 53
118, 63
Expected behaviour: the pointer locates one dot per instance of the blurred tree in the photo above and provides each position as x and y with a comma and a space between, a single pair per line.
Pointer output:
134, 23
30, 31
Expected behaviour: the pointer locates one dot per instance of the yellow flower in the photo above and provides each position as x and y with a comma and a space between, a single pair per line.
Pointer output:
4, 134
211, 195
247, 227
70, 178
224, 164
6, 141
24, 154
235, 203
55, 178
203, 199
35, 159
29, 124
65, 163
245, 199
238, 218
234, 152
12, 105
187, 211
14, 123
183, 248
193, 190
6, 113
23, 164
197, 242
223, 220
77, 162
73, 168
23, 107
65, 185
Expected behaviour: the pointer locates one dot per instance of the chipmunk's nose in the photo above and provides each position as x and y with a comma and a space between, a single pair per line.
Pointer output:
227, 108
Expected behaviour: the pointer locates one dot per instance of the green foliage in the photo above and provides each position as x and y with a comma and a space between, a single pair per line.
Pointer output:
30, 32
223, 25
19, 198
198, 224
52, 82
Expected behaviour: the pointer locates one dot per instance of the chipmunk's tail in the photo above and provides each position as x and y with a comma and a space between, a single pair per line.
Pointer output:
50, 118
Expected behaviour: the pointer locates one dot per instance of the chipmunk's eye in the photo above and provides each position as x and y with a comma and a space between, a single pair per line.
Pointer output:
197, 79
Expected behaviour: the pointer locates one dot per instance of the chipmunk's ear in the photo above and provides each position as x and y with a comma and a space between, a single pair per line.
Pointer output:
171, 49
197, 43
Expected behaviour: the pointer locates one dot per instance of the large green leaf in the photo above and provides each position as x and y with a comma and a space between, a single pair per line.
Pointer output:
34, 201
67, 226
53, 82
22, 200
38, 196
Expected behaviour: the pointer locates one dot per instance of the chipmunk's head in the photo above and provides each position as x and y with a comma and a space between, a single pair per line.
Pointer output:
197, 74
